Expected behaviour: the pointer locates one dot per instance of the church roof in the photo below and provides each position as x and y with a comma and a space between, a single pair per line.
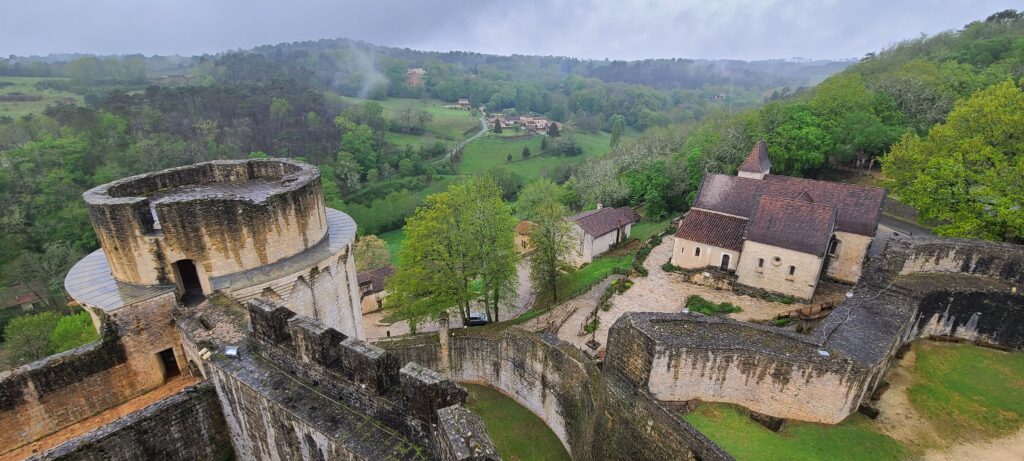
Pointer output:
713, 229
757, 160
858, 208
792, 224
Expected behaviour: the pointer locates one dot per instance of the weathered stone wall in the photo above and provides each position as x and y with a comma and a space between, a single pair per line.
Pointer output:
566, 390
47, 395
299, 390
683, 357
683, 255
226, 216
774, 276
462, 436
184, 427
848, 263
983, 317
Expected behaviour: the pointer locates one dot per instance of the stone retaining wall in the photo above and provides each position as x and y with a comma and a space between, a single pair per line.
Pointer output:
187, 426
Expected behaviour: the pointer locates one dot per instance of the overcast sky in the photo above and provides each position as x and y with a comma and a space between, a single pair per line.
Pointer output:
617, 29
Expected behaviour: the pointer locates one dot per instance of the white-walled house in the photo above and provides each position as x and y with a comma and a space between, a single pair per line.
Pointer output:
600, 229
372, 291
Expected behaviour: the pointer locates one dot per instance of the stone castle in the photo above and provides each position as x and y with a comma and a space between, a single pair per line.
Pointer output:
235, 275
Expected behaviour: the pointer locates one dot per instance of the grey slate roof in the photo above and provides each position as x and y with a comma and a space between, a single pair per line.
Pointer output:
375, 278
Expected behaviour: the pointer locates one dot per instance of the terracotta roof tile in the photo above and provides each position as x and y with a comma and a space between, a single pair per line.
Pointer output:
713, 229
858, 208
792, 224
524, 227
605, 220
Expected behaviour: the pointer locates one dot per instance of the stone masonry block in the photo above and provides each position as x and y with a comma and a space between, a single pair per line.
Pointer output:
366, 364
314, 342
462, 436
425, 391
269, 321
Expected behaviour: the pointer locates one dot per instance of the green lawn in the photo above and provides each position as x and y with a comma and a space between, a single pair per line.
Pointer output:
595, 271
644, 229
969, 391
852, 440
447, 123
966, 392
490, 151
26, 85
394, 240
517, 433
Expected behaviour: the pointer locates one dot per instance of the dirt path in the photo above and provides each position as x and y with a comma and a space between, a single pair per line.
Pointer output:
1005, 449
172, 387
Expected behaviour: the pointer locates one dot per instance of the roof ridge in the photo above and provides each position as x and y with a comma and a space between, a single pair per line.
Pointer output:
846, 184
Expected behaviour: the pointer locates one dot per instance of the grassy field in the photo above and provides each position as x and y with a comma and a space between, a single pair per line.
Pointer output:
969, 391
394, 239
491, 151
594, 272
446, 124
26, 85
644, 229
517, 433
966, 392
853, 440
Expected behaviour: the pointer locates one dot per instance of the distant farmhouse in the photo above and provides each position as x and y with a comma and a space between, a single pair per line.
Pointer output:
523, 230
778, 233
463, 104
371, 288
414, 76
599, 230
531, 123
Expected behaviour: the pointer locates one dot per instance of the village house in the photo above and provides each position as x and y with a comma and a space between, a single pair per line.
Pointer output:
464, 103
523, 244
372, 292
20, 296
600, 229
531, 123
778, 233
414, 76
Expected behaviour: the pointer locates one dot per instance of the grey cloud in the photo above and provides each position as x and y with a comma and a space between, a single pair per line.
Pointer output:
743, 29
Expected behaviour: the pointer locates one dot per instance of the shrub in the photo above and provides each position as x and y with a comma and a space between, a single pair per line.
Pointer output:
654, 241
696, 303
669, 267
592, 326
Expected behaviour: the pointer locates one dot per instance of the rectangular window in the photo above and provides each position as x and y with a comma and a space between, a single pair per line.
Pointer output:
760, 263
792, 270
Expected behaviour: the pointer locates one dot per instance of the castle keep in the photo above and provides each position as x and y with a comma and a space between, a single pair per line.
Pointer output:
235, 275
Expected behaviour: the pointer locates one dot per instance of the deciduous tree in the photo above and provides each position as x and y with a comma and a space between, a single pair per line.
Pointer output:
371, 252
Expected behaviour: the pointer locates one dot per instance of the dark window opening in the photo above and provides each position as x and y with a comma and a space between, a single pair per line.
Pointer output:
760, 262
170, 363
725, 262
792, 270
833, 248
188, 281
696, 251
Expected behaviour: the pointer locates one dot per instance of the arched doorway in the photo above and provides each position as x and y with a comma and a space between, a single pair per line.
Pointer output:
190, 289
725, 262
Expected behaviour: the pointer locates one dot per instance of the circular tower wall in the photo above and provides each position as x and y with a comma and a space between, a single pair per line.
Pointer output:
219, 217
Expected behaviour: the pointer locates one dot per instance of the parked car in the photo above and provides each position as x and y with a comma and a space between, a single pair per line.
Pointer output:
477, 319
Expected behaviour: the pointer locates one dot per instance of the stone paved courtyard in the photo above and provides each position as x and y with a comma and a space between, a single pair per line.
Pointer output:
664, 291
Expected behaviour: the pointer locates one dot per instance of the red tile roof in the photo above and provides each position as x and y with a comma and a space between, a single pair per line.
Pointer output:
858, 208
792, 224
602, 221
757, 160
713, 229
524, 227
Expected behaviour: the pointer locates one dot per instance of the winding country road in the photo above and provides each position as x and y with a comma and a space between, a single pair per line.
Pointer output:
483, 129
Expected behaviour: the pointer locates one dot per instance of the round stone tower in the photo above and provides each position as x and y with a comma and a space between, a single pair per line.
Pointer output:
245, 227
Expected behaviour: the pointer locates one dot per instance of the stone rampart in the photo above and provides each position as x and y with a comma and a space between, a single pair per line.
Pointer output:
184, 427
45, 396
556, 382
684, 357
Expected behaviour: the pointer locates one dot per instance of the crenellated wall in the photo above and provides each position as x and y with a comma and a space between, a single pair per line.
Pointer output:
299, 390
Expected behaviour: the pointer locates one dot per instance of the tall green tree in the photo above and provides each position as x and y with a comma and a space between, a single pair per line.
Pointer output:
968, 173
461, 239
534, 194
618, 124
371, 252
552, 239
